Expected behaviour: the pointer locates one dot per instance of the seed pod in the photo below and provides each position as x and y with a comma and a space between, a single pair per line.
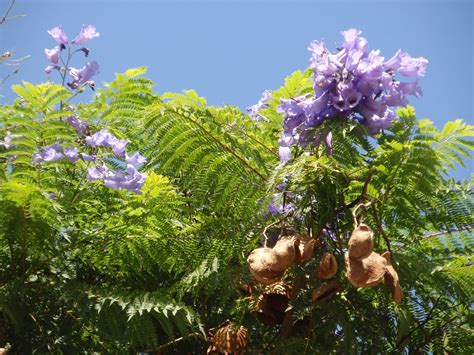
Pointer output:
285, 249
271, 305
229, 339
391, 280
326, 291
267, 265
366, 272
263, 265
327, 266
305, 249
361, 243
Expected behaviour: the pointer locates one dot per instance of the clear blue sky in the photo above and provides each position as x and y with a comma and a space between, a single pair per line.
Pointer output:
230, 51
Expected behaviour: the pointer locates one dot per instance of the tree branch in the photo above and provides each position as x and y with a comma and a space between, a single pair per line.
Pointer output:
380, 228
361, 197
5, 17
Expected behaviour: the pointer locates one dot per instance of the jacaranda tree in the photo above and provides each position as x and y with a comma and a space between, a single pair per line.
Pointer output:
322, 220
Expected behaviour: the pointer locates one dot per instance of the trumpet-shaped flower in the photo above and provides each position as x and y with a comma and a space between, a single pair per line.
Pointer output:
87, 33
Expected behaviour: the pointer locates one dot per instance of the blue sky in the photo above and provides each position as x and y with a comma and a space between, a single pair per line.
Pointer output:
230, 51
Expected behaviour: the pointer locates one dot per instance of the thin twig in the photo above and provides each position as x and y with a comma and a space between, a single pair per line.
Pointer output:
271, 225
444, 232
361, 197
380, 228
5, 17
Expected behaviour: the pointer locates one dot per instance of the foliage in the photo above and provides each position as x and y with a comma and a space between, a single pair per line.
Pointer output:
85, 268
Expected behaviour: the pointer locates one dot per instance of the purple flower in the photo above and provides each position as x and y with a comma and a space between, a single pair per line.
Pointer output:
353, 41
48, 153
105, 139
394, 63
378, 122
49, 69
118, 147
7, 141
411, 89
87, 33
52, 54
79, 125
413, 66
59, 35
277, 209
100, 138
262, 103
83, 75
71, 154
97, 172
89, 158
347, 97
136, 160
284, 153
132, 180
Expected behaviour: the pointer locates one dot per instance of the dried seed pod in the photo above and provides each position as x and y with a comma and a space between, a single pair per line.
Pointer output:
271, 305
326, 291
327, 266
267, 265
391, 279
361, 243
305, 249
285, 249
229, 339
367, 271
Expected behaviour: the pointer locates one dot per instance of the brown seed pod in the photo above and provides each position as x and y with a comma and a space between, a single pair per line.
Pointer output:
361, 243
391, 279
267, 265
326, 291
366, 272
327, 266
229, 339
305, 249
285, 249
271, 305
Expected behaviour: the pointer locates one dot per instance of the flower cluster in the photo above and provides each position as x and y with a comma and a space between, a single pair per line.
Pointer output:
352, 83
80, 76
55, 152
253, 111
131, 179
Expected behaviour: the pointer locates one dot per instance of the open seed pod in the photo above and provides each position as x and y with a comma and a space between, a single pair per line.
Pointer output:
326, 291
271, 305
391, 279
367, 271
267, 265
229, 339
305, 249
361, 243
327, 266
